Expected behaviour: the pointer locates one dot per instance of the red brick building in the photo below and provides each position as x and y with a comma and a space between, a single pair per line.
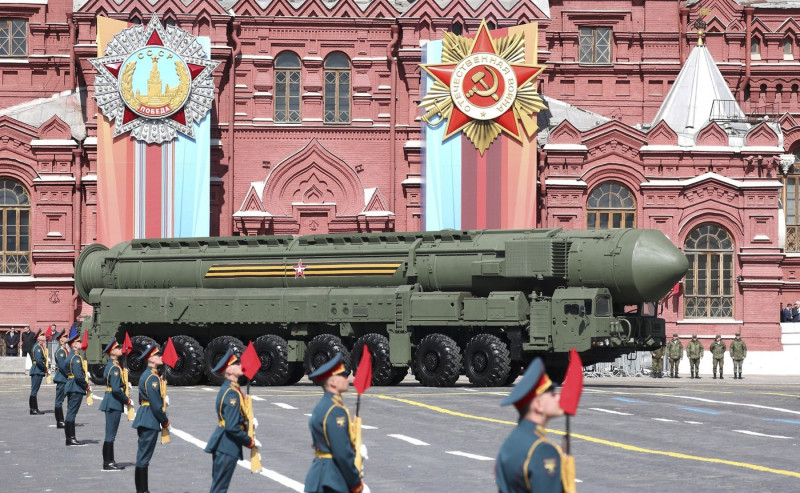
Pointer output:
315, 128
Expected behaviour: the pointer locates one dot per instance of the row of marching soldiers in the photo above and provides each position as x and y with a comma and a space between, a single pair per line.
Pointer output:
527, 460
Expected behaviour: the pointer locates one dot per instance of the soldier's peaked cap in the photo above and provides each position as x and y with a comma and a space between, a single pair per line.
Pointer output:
150, 350
38, 332
58, 334
111, 345
334, 366
228, 359
73, 336
534, 383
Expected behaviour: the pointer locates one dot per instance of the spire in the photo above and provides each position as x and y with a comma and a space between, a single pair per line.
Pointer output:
698, 90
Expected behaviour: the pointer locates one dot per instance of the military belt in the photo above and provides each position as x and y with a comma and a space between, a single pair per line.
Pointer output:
322, 455
108, 389
70, 376
143, 402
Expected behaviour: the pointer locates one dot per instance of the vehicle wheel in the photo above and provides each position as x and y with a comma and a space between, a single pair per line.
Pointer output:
379, 349
96, 373
296, 373
215, 350
437, 361
399, 374
321, 349
486, 361
137, 367
272, 351
189, 367
513, 373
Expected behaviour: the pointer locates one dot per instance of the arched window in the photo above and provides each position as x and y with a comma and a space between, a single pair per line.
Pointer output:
457, 28
755, 49
611, 206
15, 215
287, 88
708, 289
791, 203
337, 88
788, 53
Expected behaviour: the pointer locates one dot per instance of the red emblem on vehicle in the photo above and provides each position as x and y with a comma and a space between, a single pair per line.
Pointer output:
299, 269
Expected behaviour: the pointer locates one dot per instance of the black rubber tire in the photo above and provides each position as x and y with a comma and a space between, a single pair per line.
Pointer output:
272, 350
189, 367
215, 350
514, 372
486, 361
437, 361
321, 349
296, 373
379, 349
136, 366
96, 371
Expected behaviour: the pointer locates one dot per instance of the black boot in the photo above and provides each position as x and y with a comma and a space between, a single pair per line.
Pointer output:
59, 417
715, 375
34, 405
69, 429
140, 477
720, 376
108, 458
740, 376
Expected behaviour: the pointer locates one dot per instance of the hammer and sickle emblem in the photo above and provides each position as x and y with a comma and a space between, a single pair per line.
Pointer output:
486, 91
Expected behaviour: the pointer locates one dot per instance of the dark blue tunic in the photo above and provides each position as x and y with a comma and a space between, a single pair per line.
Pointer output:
150, 417
229, 437
76, 385
114, 399
38, 368
528, 461
60, 377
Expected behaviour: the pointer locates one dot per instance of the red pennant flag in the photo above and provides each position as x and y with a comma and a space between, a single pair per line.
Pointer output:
48, 334
170, 356
363, 378
676, 289
85, 340
250, 361
127, 347
573, 384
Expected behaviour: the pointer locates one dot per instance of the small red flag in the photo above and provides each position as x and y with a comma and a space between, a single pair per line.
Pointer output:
127, 347
676, 289
170, 356
48, 334
85, 341
363, 378
573, 384
250, 361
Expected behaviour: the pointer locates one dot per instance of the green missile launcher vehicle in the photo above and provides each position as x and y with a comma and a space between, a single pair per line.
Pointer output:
442, 303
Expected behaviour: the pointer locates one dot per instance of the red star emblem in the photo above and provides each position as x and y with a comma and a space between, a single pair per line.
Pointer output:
483, 86
299, 269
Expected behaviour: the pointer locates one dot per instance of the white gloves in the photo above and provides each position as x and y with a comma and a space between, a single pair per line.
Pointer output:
255, 424
366, 488
258, 444
363, 452
166, 400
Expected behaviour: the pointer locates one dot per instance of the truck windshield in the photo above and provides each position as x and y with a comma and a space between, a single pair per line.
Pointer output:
603, 305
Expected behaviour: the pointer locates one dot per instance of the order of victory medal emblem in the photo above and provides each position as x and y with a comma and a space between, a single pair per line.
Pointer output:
154, 82
482, 88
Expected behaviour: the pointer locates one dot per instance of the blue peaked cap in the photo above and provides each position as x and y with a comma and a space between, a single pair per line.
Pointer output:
533, 374
329, 367
73, 334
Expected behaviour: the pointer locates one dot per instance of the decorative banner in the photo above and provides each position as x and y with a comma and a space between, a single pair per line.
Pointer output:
480, 181
154, 182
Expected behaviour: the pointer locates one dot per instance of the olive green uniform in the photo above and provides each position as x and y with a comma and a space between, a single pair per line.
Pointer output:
674, 353
694, 351
738, 351
717, 350
658, 362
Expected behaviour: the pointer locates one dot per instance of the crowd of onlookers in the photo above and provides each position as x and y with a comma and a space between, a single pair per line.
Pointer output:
17, 343
791, 312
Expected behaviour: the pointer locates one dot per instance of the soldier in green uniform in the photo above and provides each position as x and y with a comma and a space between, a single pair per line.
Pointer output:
231, 435
39, 363
60, 378
77, 386
738, 351
528, 461
333, 468
658, 362
717, 350
674, 353
152, 415
114, 401
694, 351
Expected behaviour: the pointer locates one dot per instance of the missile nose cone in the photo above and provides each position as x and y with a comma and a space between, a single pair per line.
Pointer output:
657, 265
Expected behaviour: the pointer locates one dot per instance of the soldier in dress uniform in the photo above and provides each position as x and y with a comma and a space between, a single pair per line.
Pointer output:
231, 435
527, 460
738, 352
674, 353
39, 368
114, 401
152, 415
76, 388
694, 351
333, 468
60, 378
717, 350
658, 362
